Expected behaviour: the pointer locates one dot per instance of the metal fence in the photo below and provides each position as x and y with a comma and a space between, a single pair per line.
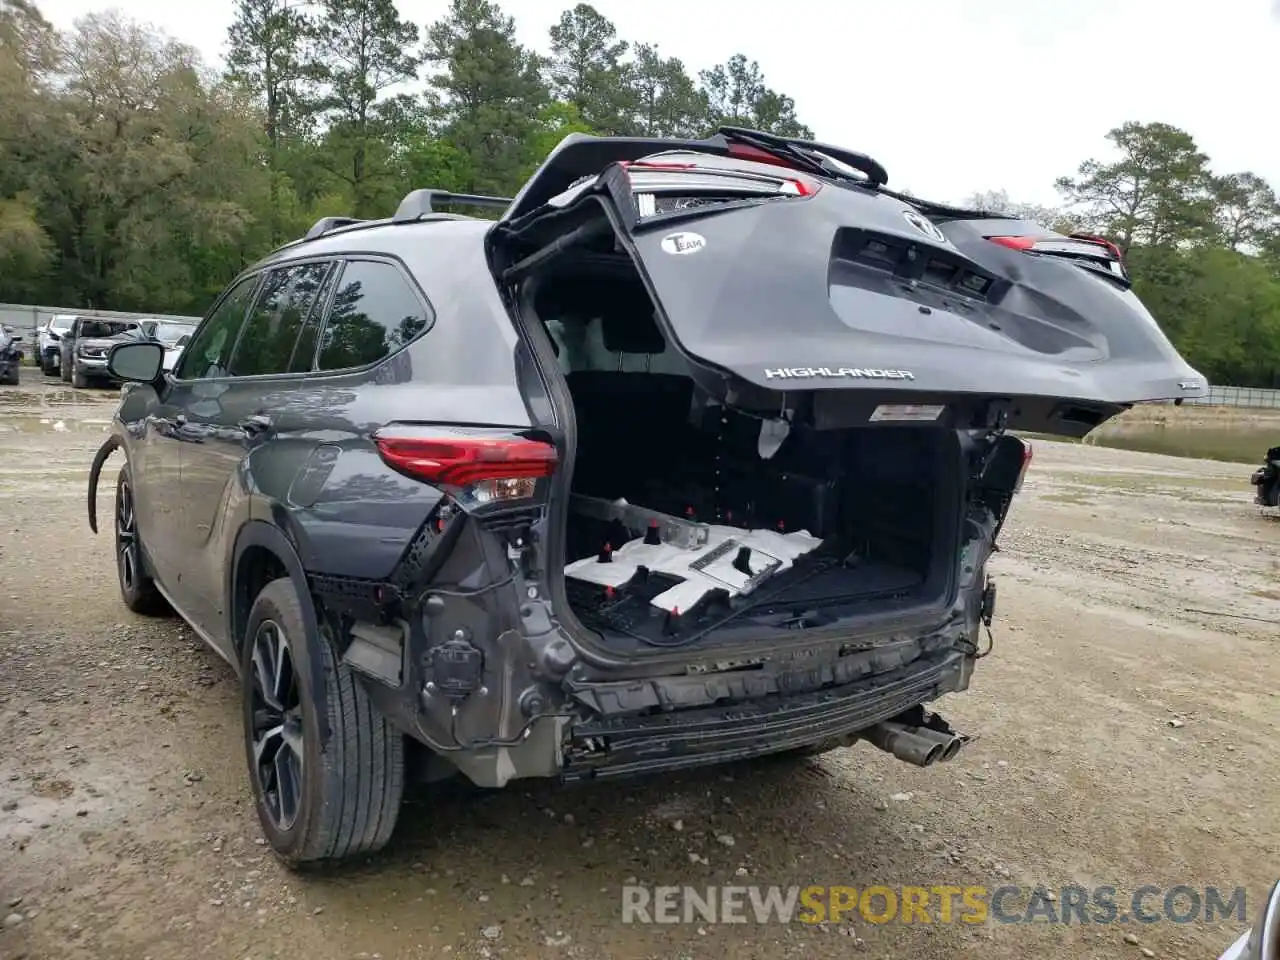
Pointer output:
1255, 397
25, 317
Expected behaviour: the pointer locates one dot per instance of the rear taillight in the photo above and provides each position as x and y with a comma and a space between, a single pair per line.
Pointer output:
1094, 251
474, 469
1027, 452
660, 186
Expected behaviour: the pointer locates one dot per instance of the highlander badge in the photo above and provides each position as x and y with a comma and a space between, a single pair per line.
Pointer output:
856, 373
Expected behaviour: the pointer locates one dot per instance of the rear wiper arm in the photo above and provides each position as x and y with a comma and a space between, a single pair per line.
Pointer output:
783, 151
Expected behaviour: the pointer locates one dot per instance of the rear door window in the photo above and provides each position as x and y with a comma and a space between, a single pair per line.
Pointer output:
375, 312
209, 352
304, 351
267, 344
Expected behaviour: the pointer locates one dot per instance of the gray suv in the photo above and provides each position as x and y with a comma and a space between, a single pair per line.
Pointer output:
697, 453
84, 348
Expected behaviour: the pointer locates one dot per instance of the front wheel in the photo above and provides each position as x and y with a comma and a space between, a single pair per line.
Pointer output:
78, 379
315, 800
137, 589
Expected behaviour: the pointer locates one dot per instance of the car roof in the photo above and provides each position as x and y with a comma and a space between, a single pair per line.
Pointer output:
403, 239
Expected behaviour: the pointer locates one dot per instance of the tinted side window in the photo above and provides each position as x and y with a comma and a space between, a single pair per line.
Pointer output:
209, 351
374, 313
266, 346
304, 351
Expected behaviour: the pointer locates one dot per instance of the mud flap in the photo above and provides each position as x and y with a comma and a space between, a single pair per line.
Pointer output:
111, 445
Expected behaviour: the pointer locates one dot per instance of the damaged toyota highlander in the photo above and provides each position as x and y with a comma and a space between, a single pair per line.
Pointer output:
696, 453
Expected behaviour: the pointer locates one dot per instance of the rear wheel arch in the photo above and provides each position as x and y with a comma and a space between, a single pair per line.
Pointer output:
261, 554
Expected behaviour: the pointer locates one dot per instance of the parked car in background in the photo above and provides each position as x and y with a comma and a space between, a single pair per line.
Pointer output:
173, 334
10, 354
1266, 480
48, 338
173, 354
168, 331
85, 346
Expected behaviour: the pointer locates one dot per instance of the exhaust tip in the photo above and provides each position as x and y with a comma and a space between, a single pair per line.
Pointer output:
952, 748
934, 755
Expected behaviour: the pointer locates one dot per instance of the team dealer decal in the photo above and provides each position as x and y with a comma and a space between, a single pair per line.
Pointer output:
836, 373
682, 244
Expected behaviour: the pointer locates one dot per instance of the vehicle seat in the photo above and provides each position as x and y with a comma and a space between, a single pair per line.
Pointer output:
628, 415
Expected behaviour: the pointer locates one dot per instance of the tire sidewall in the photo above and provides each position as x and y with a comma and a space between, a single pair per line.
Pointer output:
130, 595
278, 601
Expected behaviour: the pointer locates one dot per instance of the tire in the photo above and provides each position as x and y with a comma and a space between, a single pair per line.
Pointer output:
64, 371
348, 790
137, 589
78, 379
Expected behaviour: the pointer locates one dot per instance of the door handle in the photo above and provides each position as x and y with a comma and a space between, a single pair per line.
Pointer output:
256, 424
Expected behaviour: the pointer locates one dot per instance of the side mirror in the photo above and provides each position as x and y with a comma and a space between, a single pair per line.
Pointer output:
140, 361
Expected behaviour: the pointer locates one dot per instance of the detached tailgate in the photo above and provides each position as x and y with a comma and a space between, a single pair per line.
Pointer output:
850, 290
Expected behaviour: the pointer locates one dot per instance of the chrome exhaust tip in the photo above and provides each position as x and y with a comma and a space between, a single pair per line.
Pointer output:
905, 743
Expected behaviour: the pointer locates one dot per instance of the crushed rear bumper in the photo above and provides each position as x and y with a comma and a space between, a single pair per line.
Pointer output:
617, 747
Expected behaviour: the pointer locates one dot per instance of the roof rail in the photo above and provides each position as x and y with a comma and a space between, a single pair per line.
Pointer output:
420, 203
325, 224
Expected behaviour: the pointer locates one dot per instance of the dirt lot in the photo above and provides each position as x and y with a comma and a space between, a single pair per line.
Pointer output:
1126, 738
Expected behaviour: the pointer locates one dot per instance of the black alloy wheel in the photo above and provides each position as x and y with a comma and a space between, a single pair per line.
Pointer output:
276, 732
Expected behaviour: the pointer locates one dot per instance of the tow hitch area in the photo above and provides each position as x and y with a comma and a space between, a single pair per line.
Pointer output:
916, 736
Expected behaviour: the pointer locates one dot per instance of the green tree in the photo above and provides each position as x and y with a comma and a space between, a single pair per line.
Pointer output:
361, 49
998, 201
28, 56
667, 102
486, 94
265, 56
737, 95
1158, 191
152, 177
1248, 215
587, 70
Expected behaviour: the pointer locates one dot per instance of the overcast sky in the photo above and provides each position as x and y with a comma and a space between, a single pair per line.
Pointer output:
952, 96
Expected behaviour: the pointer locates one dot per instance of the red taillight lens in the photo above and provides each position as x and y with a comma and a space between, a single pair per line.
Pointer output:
1101, 241
1027, 452
507, 467
1015, 243
744, 151
675, 179
1078, 244
1094, 251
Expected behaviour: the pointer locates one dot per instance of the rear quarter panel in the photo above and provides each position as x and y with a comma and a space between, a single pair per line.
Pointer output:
321, 479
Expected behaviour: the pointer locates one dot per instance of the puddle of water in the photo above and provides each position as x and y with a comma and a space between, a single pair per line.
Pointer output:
36, 423
61, 397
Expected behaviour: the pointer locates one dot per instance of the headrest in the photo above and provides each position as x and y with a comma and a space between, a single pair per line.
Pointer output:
630, 327
627, 324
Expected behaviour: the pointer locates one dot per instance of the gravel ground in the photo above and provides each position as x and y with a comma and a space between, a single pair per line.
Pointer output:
1126, 736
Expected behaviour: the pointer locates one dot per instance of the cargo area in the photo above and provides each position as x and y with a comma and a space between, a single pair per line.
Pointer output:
692, 520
